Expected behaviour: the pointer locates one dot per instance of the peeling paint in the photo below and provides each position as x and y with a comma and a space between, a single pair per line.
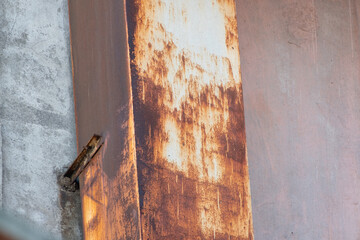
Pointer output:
189, 120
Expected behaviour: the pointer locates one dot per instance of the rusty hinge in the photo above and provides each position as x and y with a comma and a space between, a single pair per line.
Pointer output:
68, 180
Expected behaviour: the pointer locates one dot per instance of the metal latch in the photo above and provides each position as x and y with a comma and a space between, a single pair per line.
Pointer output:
68, 180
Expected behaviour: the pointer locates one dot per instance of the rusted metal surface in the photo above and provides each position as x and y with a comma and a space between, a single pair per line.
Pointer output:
68, 179
103, 102
174, 156
189, 120
301, 76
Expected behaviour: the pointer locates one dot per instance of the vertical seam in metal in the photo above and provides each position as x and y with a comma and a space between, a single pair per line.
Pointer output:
132, 119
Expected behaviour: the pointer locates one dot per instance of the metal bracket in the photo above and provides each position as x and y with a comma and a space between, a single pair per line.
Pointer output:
68, 180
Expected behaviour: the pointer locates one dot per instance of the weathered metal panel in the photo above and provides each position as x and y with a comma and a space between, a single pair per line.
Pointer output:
300, 67
189, 120
189, 158
109, 190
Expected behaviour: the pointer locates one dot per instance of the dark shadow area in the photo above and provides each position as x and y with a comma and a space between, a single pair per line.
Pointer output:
71, 215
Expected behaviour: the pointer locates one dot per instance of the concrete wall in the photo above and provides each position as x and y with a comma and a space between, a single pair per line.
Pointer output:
37, 114
300, 67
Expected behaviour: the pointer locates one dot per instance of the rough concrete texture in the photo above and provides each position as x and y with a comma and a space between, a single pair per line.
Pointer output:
300, 67
1, 164
37, 115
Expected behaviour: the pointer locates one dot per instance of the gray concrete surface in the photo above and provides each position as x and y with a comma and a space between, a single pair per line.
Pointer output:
1, 164
37, 114
301, 80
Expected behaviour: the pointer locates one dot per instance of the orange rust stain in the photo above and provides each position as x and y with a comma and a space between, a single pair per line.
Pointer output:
102, 84
103, 201
94, 202
189, 121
